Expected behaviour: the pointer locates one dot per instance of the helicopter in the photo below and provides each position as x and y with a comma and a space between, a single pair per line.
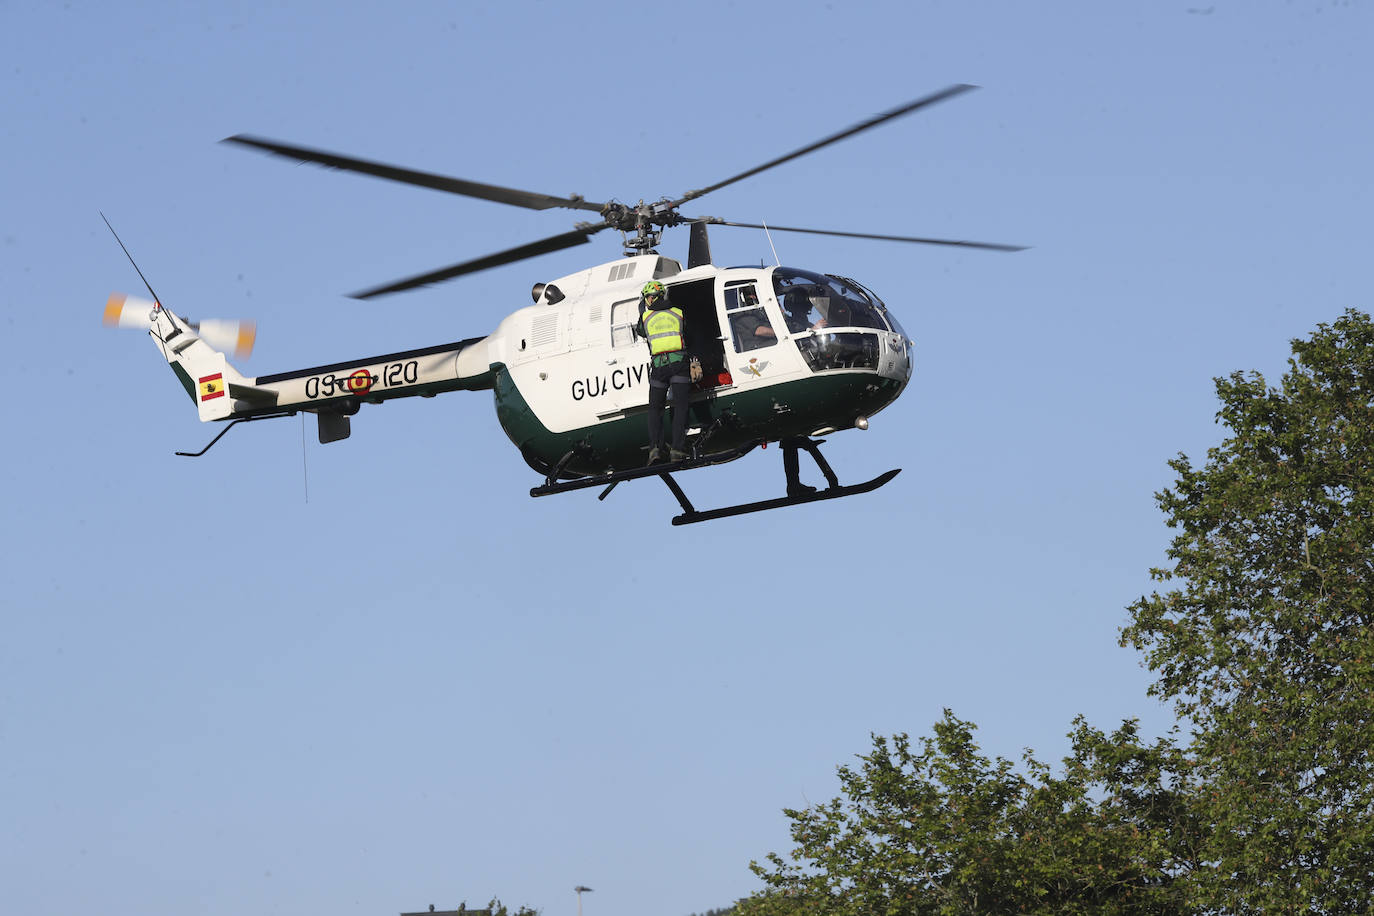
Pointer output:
787, 355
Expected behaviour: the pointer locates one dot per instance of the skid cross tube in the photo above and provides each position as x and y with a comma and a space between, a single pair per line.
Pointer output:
578, 449
686, 503
812, 447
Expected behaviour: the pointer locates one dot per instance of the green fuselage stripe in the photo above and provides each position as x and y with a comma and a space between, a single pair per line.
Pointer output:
794, 408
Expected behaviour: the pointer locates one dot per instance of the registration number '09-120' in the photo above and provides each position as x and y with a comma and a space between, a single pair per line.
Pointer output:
362, 381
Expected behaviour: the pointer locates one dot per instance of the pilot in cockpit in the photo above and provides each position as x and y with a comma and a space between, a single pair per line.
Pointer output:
801, 313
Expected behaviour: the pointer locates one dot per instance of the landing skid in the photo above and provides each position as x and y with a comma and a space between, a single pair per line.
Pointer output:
690, 514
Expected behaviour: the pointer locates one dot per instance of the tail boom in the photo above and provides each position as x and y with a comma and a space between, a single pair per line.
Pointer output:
334, 392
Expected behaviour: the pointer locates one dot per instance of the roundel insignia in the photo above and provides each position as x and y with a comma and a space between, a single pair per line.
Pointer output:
360, 382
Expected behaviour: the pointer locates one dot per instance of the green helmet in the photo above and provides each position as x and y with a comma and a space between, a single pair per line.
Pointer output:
653, 290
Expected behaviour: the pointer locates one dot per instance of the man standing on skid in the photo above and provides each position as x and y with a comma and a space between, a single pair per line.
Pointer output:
664, 329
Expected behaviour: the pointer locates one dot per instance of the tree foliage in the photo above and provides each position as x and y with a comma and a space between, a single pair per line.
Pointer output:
1264, 642
495, 907
1267, 646
498, 908
942, 829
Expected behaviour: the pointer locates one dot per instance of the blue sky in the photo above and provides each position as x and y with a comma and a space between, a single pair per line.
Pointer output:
375, 675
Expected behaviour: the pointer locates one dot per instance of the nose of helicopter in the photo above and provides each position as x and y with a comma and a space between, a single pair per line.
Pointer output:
895, 359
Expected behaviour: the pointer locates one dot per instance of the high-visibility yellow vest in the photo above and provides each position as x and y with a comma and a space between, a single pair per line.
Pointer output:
664, 330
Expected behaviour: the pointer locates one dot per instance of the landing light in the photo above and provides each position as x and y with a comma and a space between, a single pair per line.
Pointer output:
861, 422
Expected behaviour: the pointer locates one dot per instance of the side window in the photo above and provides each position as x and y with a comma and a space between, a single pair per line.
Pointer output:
624, 317
749, 325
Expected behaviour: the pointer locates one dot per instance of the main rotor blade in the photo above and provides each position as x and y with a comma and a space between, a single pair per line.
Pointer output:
958, 243
514, 196
543, 246
835, 138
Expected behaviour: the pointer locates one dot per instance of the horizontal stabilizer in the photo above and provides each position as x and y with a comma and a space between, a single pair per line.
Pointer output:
236, 336
254, 396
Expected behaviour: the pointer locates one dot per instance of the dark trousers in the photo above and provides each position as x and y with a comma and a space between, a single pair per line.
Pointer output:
661, 378
790, 468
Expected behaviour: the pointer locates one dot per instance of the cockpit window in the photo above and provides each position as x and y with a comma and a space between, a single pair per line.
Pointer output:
814, 301
749, 325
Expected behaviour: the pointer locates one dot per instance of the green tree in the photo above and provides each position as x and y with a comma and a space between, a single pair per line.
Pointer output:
942, 829
495, 907
1266, 646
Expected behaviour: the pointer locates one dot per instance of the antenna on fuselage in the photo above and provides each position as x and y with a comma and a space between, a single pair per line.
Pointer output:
131, 259
776, 262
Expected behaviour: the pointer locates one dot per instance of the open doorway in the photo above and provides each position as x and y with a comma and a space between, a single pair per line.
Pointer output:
697, 301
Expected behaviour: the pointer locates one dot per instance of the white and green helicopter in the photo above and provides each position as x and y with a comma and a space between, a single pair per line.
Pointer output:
788, 355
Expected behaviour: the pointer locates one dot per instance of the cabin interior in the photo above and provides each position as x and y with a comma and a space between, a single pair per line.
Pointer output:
697, 301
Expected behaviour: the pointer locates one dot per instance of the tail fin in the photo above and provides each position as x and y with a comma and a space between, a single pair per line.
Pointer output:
189, 349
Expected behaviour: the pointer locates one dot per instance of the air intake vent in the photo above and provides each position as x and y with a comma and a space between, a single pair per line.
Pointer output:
544, 330
622, 271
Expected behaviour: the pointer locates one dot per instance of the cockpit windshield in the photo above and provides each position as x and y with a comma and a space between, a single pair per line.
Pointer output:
812, 301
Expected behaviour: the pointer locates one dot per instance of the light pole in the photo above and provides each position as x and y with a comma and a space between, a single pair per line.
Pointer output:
579, 889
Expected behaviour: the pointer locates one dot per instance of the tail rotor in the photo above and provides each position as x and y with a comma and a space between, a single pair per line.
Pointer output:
236, 336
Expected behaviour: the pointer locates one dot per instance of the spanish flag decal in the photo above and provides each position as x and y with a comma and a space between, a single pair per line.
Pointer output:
212, 386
